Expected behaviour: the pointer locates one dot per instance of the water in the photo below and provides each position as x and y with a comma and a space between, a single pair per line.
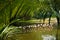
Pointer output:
48, 37
34, 34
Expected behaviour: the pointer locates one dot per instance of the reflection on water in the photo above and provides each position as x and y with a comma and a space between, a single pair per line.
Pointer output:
48, 37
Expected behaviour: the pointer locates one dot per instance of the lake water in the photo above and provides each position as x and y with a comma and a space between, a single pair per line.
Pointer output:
39, 33
48, 37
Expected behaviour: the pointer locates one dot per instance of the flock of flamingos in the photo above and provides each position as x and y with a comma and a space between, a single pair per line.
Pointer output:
34, 27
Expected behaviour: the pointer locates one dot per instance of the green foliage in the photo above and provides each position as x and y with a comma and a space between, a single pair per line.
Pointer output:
22, 9
12, 10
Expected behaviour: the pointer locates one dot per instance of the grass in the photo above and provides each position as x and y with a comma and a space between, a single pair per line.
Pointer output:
53, 20
59, 34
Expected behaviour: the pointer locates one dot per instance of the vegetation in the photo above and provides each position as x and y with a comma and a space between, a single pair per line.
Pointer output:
20, 12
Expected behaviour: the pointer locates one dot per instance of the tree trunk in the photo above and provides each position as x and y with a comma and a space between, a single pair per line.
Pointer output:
58, 22
49, 20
